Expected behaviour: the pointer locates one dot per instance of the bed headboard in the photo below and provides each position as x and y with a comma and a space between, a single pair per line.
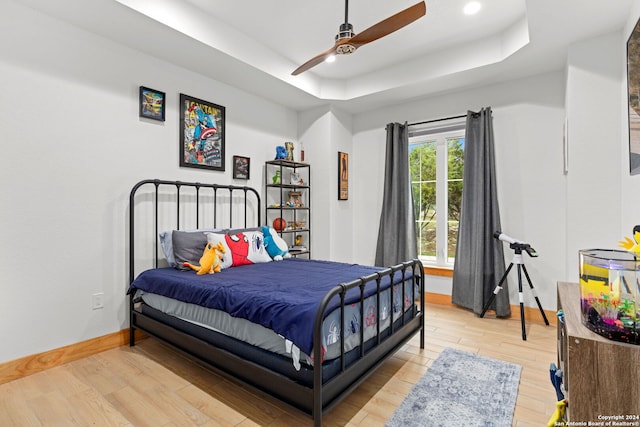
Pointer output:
156, 205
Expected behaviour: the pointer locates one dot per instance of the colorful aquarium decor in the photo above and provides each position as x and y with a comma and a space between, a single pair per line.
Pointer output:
610, 293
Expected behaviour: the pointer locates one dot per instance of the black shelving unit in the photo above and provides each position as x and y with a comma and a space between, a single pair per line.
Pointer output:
289, 198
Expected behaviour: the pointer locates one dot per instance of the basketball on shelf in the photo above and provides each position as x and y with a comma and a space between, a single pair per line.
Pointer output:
279, 224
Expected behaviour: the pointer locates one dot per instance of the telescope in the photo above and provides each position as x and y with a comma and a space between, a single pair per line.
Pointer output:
515, 244
518, 247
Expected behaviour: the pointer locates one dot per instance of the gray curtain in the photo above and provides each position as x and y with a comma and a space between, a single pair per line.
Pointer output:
479, 264
397, 233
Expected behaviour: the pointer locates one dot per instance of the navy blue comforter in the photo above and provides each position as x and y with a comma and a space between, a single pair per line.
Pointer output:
282, 296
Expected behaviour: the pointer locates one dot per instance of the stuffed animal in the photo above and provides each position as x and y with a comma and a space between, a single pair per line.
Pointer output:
210, 260
558, 415
632, 245
556, 379
561, 404
274, 244
281, 152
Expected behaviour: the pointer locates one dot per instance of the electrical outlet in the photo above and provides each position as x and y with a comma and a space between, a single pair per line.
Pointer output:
98, 301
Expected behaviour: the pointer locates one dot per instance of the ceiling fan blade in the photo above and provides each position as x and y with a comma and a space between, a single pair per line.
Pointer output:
389, 25
381, 29
314, 61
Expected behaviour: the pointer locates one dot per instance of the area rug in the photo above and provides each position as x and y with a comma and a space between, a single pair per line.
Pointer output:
461, 389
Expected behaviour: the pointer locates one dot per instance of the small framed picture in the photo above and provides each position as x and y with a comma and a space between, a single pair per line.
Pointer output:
152, 104
296, 179
241, 166
343, 176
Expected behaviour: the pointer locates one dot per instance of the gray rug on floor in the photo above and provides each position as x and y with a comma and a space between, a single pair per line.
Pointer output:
461, 389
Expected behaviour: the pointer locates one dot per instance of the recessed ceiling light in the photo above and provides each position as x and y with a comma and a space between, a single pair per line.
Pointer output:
472, 8
330, 58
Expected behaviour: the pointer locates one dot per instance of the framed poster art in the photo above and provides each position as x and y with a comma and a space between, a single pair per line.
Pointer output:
152, 104
241, 167
343, 176
202, 130
633, 96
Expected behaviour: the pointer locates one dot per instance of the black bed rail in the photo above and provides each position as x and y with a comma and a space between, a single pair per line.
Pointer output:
178, 185
410, 270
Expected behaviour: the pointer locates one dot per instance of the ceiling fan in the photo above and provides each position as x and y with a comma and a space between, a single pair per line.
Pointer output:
347, 41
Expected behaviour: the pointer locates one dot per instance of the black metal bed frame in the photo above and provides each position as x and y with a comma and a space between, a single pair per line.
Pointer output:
325, 393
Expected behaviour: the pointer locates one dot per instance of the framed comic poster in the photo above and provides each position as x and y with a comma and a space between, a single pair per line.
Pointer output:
152, 104
241, 167
343, 176
201, 134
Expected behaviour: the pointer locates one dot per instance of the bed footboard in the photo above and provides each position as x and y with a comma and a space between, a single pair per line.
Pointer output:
327, 394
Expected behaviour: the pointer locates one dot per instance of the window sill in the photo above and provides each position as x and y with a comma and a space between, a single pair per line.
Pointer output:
438, 271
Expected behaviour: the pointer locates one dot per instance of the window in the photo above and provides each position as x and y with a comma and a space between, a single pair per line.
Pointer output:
436, 160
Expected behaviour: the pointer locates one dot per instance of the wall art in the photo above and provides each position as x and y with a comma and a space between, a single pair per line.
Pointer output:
343, 176
152, 103
241, 167
202, 130
633, 93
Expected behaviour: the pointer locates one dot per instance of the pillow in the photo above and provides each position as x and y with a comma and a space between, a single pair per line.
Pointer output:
188, 247
275, 245
166, 242
244, 247
167, 246
215, 238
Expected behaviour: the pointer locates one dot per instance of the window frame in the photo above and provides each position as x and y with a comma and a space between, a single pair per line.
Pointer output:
440, 135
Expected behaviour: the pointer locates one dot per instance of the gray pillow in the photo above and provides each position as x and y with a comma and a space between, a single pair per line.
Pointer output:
188, 247
166, 242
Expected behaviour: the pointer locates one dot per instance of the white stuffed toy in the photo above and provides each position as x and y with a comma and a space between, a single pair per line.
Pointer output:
276, 246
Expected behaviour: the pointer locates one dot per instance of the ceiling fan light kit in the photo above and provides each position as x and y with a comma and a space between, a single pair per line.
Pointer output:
346, 41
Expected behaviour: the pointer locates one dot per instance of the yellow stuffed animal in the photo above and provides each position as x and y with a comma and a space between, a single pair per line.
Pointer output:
558, 415
210, 260
632, 245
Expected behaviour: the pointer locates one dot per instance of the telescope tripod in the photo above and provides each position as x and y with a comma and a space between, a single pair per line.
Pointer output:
517, 260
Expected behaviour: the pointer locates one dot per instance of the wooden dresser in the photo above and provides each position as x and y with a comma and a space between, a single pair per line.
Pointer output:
601, 377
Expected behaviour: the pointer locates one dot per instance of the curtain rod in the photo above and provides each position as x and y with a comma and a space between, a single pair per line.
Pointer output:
437, 120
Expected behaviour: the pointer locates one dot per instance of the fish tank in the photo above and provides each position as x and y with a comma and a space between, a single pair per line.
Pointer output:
609, 293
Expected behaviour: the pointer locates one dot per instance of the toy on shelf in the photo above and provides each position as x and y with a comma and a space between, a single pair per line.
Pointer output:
279, 224
289, 148
298, 225
276, 178
281, 152
295, 200
296, 179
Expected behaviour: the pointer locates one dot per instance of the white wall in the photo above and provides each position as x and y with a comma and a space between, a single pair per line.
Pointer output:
594, 111
73, 146
528, 122
325, 131
314, 132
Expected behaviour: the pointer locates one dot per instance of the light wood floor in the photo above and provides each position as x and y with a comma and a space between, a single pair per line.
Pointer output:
152, 385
